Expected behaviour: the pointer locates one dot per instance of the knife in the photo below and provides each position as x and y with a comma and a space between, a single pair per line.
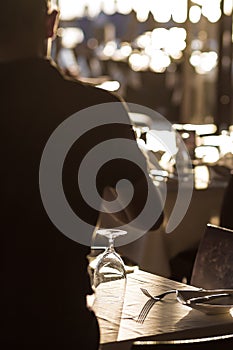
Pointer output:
206, 298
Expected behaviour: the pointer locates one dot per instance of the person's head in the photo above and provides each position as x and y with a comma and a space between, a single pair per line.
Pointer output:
25, 25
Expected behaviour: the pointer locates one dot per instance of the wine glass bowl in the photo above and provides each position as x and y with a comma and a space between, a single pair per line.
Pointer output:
109, 277
109, 265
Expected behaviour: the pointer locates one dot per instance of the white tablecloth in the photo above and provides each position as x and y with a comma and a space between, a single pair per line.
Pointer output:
167, 319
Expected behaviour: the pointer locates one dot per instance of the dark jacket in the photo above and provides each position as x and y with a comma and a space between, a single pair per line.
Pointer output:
44, 278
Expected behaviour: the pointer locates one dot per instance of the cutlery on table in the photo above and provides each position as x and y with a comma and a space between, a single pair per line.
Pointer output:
206, 298
153, 299
148, 305
145, 310
159, 296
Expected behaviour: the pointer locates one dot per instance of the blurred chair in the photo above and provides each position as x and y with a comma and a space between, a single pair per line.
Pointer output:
213, 266
213, 343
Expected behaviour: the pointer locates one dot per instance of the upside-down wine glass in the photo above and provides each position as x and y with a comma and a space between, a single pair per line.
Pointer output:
109, 268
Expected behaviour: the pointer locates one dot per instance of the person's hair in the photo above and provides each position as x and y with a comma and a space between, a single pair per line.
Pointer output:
22, 17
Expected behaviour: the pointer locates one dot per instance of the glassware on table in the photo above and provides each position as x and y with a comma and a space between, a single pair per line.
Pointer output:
109, 268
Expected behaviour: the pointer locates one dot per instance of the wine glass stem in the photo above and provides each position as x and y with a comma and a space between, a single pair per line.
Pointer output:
111, 243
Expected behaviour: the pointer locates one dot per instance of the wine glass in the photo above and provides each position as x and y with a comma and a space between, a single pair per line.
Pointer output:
109, 268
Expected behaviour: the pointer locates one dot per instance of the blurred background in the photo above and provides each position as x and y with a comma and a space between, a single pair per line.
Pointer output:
174, 56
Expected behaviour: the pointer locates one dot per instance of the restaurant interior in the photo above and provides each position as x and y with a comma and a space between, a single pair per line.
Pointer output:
175, 59
170, 60
136, 48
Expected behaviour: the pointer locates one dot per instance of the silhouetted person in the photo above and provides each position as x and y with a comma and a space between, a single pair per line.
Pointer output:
44, 279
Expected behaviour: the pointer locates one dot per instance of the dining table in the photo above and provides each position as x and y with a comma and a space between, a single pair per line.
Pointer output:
168, 319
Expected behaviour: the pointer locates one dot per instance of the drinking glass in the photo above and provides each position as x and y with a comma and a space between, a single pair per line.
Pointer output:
109, 268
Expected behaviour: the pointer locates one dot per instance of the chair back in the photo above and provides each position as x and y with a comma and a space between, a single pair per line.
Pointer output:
213, 266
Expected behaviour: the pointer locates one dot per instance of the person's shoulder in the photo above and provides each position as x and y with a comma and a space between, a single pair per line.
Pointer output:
84, 89
93, 92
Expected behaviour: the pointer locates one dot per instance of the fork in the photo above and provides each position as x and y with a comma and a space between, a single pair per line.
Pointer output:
159, 296
145, 310
148, 305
